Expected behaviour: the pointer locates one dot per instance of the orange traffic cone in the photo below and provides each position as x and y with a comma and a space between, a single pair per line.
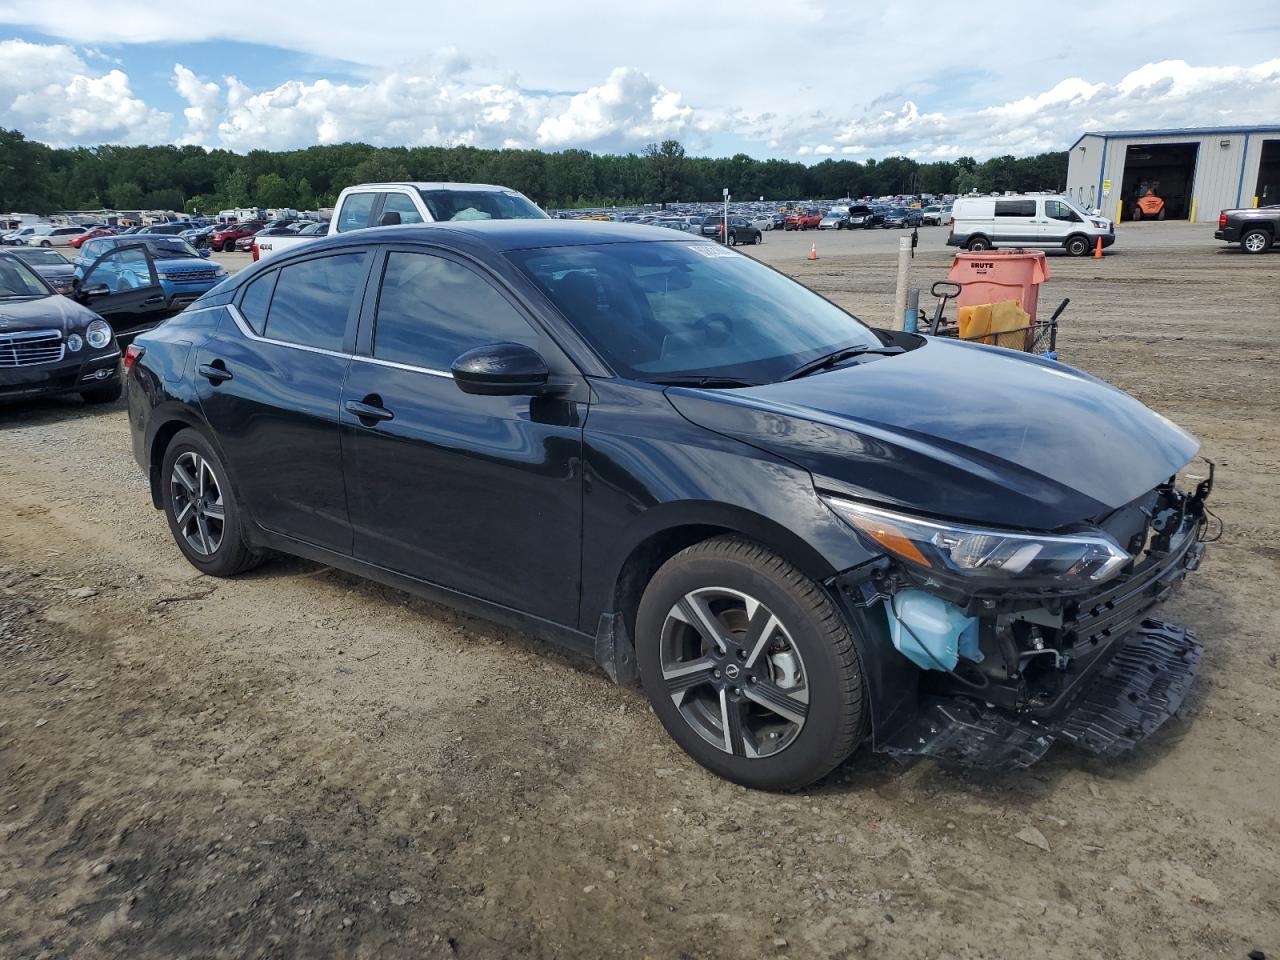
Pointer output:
813, 250
1097, 250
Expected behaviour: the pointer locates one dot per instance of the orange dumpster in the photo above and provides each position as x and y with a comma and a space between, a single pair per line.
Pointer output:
993, 276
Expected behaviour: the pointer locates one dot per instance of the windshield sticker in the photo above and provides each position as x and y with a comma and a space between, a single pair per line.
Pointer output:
711, 250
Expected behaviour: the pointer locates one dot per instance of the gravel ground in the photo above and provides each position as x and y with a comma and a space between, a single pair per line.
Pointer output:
298, 763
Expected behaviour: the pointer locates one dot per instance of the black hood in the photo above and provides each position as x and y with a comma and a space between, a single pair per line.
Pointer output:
45, 313
960, 431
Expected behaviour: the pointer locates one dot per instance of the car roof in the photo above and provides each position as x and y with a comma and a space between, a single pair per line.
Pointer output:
431, 185
499, 236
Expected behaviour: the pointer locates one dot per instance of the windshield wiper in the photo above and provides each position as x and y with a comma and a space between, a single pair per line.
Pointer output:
709, 383
831, 359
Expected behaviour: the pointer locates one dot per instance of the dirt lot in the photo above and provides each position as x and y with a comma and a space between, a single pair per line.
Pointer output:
299, 764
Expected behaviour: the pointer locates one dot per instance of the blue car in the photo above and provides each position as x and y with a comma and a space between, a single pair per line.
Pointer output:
184, 272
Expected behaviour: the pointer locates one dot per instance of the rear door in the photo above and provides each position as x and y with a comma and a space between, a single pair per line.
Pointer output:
123, 286
270, 382
479, 494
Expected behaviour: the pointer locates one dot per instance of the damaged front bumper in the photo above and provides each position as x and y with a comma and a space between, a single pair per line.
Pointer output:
1109, 677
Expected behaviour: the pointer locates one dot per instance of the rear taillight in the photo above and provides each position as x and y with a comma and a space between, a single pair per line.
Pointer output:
1222, 220
255, 251
132, 354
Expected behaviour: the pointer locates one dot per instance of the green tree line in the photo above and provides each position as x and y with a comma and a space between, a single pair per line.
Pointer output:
37, 178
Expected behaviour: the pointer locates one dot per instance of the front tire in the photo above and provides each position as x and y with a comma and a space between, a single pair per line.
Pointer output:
1255, 241
201, 507
749, 665
1078, 246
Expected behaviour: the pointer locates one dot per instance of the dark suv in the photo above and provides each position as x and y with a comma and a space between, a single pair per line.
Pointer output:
1254, 228
700, 473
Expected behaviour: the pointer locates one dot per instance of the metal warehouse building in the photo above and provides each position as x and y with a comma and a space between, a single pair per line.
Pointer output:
1196, 171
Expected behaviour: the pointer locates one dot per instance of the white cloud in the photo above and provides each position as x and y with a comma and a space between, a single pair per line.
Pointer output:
51, 94
203, 105
627, 105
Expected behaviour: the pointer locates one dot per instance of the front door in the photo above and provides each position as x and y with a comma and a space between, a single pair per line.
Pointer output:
270, 381
479, 494
123, 287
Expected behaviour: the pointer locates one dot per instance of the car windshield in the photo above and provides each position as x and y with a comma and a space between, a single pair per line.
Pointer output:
658, 310
43, 258
19, 281
480, 205
170, 248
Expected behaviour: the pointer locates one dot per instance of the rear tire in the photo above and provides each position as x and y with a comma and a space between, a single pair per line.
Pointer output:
759, 239
978, 244
1255, 241
204, 516
783, 703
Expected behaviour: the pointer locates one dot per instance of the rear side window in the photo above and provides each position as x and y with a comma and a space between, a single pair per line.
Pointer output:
312, 300
354, 214
399, 203
1015, 208
256, 299
432, 310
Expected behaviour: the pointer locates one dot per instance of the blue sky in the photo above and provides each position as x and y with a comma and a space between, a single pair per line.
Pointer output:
797, 79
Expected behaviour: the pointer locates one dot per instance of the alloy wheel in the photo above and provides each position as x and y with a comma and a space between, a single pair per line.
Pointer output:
1255, 243
198, 510
733, 672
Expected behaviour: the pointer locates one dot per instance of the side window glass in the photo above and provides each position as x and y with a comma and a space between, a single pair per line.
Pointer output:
119, 271
431, 310
354, 214
1015, 208
1057, 210
255, 300
399, 203
312, 300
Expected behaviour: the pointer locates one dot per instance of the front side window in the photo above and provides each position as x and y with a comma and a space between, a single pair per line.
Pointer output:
354, 214
399, 203
312, 300
17, 280
1057, 210
480, 205
120, 271
658, 309
432, 310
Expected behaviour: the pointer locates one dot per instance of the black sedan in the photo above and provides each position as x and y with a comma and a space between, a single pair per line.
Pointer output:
49, 343
57, 270
795, 531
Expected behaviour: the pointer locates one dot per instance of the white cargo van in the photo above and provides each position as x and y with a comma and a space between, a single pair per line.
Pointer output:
387, 204
1054, 222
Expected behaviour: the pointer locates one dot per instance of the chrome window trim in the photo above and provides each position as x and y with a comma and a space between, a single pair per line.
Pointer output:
248, 332
404, 366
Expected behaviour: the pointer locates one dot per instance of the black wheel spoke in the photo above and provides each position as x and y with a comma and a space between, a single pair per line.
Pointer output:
684, 677
694, 611
772, 697
731, 720
760, 630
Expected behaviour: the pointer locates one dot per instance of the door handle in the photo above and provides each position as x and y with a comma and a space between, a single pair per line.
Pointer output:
150, 300
369, 410
215, 372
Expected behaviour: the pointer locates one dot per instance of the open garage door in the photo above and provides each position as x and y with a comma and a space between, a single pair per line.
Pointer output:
1157, 181
1268, 189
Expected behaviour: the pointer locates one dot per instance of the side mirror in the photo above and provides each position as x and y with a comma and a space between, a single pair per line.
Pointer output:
501, 370
389, 219
205, 252
97, 290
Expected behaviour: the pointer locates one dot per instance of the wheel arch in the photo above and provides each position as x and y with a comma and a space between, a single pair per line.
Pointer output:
174, 422
1077, 235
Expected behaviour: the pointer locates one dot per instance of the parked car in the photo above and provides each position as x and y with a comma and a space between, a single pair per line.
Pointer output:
835, 219
405, 204
52, 344
760, 222
174, 229
931, 216
863, 217
54, 236
53, 267
182, 272
980, 223
741, 230
901, 217
91, 234
18, 237
224, 238
1254, 228
780, 536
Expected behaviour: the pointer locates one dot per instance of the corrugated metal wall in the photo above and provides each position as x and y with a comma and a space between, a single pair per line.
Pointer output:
1225, 176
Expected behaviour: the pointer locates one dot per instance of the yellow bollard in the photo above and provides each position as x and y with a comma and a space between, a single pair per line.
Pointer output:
1119, 207
1193, 209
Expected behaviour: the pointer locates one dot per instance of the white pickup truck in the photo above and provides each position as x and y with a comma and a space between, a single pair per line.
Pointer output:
387, 204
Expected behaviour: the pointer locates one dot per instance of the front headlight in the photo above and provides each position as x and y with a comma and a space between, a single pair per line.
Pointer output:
74, 343
1099, 224
985, 556
98, 334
